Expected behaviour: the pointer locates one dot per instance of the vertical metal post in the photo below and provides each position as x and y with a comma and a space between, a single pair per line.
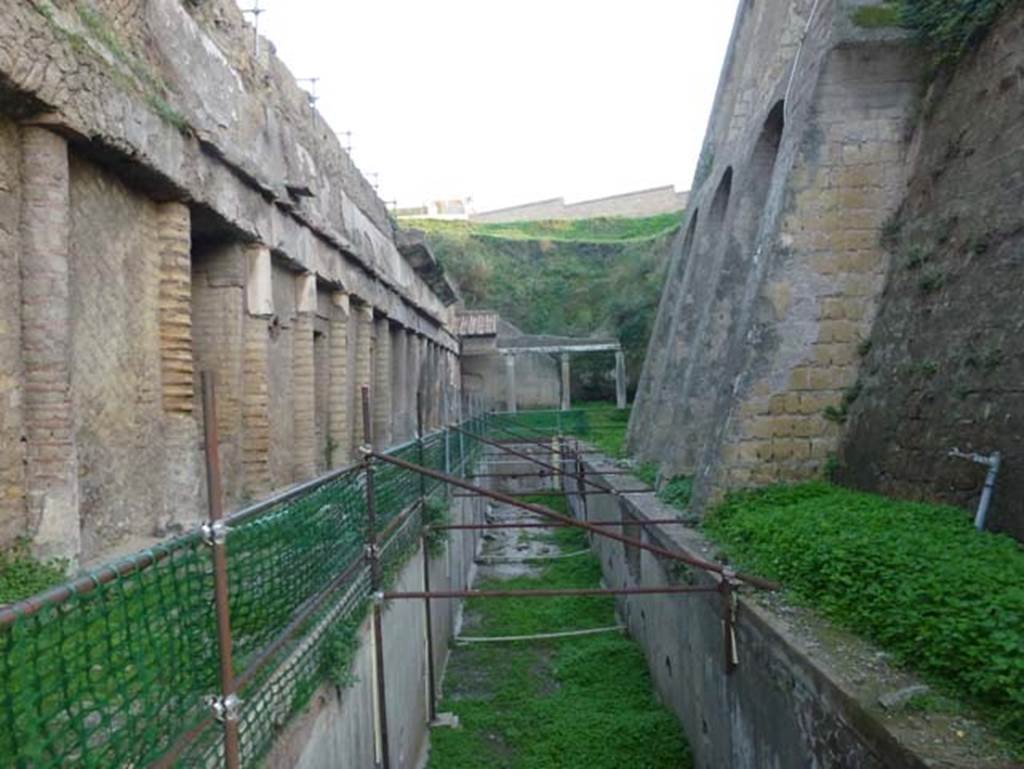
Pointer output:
226, 707
447, 452
373, 554
419, 444
429, 620
581, 480
728, 621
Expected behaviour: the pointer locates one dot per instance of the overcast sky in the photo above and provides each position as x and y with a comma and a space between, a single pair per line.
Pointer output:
509, 102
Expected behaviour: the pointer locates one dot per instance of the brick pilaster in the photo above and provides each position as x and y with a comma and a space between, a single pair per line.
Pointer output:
255, 365
177, 369
363, 314
340, 393
304, 380
51, 455
382, 401
184, 472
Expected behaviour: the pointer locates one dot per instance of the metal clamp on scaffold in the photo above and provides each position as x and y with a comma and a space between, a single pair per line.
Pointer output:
378, 598
372, 552
214, 532
366, 449
224, 708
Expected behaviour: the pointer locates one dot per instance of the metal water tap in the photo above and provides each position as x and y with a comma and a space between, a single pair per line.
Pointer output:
992, 462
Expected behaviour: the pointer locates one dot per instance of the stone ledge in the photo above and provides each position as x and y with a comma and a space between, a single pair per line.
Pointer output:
838, 675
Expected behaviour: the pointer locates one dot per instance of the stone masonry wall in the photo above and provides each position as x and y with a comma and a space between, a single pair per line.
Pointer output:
171, 204
821, 290
944, 363
13, 521
115, 360
775, 281
844, 296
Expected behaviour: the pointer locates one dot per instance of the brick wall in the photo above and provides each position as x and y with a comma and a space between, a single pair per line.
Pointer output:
220, 343
280, 378
944, 363
13, 521
776, 281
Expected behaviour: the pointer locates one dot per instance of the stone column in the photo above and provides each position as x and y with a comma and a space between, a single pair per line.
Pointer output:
434, 391
259, 309
510, 382
304, 380
339, 397
381, 393
363, 314
401, 420
415, 377
184, 467
51, 456
177, 369
566, 396
620, 380
427, 385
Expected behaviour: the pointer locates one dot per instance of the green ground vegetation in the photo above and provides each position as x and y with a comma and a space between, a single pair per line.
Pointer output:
580, 278
573, 703
22, 575
605, 427
605, 229
917, 579
874, 16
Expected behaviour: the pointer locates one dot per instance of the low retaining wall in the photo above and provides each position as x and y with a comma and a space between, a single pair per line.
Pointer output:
779, 709
337, 727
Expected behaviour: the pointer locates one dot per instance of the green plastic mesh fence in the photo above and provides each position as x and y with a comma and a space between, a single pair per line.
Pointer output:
108, 677
116, 672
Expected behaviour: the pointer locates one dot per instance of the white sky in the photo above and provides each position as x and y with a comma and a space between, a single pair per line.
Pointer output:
509, 102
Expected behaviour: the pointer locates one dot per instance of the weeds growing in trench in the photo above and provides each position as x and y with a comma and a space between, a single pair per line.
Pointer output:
558, 704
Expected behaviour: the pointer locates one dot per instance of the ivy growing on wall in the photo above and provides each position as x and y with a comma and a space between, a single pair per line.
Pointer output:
951, 27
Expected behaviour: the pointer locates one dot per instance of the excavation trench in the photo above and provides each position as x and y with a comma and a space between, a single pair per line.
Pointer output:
546, 682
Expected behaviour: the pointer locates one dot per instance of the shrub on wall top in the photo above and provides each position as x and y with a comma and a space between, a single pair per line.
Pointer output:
951, 27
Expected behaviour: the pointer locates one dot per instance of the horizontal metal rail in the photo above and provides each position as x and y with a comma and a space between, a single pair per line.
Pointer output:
543, 474
547, 512
553, 592
539, 525
551, 493
529, 458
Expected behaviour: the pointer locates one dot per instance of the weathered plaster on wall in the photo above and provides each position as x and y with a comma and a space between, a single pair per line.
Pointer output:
12, 476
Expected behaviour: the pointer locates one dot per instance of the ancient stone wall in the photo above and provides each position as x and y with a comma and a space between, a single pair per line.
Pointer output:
776, 277
658, 200
170, 204
12, 476
944, 363
115, 357
844, 294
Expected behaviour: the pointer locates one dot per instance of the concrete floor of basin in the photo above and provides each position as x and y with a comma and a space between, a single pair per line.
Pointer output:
582, 701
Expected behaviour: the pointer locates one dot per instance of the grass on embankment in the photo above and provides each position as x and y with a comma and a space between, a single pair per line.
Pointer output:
917, 579
573, 703
598, 230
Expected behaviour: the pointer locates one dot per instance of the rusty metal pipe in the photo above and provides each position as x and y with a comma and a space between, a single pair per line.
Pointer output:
550, 493
554, 592
515, 452
551, 514
429, 622
373, 555
537, 525
215, 494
